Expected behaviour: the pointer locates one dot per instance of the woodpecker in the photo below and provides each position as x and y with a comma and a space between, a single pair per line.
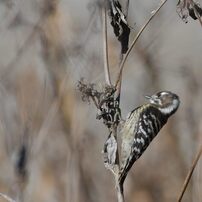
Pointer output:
142, 125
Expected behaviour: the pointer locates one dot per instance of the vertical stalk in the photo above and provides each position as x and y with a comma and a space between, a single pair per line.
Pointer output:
118, 93
119, 186
119, 189
105, 47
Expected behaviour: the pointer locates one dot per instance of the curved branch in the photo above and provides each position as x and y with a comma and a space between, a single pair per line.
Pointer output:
134, 42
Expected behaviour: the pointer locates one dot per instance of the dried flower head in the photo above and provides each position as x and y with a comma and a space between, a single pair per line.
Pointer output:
104, 100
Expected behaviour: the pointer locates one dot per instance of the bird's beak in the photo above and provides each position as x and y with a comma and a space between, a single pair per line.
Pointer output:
153, 99
148, 97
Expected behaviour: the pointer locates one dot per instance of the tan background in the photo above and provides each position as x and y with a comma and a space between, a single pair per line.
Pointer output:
45, 47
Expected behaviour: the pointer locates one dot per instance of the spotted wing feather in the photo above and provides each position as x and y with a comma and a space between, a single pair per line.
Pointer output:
140, 128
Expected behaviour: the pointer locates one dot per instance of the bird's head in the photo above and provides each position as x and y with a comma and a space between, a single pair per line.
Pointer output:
166, 101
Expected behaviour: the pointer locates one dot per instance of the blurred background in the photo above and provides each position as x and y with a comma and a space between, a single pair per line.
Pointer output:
50, 141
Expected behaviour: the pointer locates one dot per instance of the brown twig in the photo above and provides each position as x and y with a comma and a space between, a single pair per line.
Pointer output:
189, 175
119, 187
105, 47
115, 171
118, 92
95, 102
7, 197
134, 42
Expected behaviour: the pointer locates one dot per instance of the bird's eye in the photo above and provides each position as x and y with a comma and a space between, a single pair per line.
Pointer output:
159, 95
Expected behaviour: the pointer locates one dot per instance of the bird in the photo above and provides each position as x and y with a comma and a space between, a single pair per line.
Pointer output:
142, 125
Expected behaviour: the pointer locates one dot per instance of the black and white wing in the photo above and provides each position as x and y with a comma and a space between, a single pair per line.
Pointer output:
139, 130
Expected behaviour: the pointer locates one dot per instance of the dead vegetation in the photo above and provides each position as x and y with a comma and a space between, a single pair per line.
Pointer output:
50, 140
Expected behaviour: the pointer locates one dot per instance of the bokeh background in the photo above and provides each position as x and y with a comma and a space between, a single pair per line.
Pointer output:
50, 141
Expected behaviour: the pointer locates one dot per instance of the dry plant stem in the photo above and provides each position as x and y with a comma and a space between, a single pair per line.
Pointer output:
105, 47
7, 197
119, 187
198, 16
114, 132
95, 102
134, 42
187, 180
118, 93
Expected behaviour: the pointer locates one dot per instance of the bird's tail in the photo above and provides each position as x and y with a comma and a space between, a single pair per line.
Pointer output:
124, 170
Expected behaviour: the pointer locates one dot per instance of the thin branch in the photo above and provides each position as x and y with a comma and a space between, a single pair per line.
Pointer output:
7, 197
118, 93
105, 47
189, 175
95, 102
118, 87
199, 18
134, 42
119, 189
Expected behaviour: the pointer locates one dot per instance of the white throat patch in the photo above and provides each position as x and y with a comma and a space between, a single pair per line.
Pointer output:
171, 108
